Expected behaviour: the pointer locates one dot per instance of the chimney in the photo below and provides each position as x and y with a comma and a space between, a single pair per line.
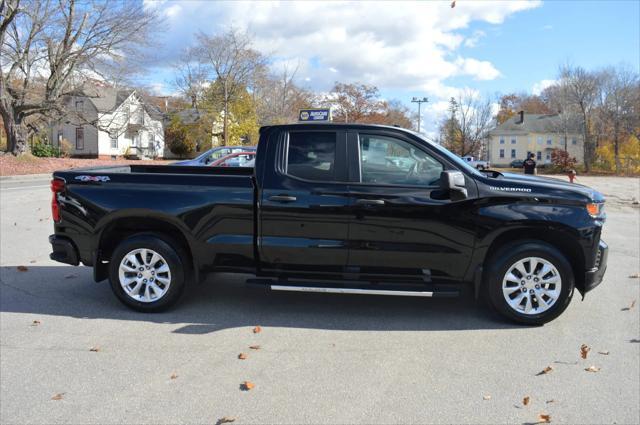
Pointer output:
166, 104
521, 119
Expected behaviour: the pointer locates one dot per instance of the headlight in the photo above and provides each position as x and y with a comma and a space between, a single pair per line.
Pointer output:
595, 209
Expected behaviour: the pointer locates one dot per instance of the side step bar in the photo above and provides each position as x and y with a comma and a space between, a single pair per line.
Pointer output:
351, 291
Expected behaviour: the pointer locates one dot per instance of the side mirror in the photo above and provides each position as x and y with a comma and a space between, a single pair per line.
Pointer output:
454, 183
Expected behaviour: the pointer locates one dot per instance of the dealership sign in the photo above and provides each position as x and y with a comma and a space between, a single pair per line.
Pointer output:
314, 115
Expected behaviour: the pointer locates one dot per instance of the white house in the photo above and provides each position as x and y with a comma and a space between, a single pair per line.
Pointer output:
108, 123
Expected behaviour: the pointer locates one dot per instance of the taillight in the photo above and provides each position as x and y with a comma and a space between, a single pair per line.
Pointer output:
57, 186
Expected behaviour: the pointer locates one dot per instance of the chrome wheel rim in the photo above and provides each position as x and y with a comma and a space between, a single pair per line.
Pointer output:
144, 275
531, 285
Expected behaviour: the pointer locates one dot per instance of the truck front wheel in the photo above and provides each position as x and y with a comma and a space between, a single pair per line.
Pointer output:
529, 282
146, 273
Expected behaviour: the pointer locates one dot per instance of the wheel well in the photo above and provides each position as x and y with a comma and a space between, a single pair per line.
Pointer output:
120, 229
567, 245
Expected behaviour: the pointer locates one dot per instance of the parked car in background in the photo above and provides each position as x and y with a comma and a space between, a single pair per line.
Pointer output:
476, 163
236, 159
214, 154
517, 163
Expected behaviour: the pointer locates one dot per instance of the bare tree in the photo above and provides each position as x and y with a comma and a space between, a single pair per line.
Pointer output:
466, 129
233, 62
616, 113
191, 77
582, 88
47, 47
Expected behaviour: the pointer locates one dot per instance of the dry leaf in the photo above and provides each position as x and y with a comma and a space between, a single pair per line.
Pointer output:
526, 400
584, 351
544, 418
486, 397
257, 330
226, 420
57, 396
94, 349
633, 304
544, 371
635, 276
550, 401
242, 356
453, 4
592, 369
247, 385
604, 353
634, 340
32, 261
35, 323
174, 375
254, 347
22, 268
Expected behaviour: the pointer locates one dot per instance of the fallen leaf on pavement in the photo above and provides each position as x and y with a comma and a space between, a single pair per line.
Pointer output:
592, 369
634, 340
247, 385
526, 400
584, 351
22, 268
544, 371
633, 304
254, 347
32, 261
242, 356
94, 349
257, 330
57, 396
174, 375
544, 418
486, 397
550, 401
604, 353
35, 323
225, 420
635, 276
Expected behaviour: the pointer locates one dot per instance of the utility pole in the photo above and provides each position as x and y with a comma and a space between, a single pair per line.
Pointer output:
419, 102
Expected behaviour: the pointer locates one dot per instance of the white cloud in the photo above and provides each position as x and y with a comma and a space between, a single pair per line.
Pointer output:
474, 39
539, 87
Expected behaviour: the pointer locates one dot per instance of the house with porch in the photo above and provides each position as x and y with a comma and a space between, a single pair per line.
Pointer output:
107, 122
539, 134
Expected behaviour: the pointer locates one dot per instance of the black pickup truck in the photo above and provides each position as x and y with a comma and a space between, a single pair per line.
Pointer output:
341, 208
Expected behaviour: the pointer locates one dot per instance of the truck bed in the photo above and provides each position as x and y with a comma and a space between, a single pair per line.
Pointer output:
164, 169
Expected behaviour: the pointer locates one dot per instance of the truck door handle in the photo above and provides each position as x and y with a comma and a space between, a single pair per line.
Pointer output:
370, 202
282, 198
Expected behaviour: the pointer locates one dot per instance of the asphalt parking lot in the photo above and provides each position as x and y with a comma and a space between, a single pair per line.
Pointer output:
322, 358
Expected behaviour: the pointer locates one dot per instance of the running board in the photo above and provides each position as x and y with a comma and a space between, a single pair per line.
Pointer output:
351, 291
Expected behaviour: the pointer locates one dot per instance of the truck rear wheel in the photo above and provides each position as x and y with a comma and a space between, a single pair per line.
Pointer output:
529, 282
146, 273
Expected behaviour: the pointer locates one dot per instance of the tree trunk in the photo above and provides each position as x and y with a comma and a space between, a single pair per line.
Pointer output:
226, 115
587, 143
17, 133
616, 150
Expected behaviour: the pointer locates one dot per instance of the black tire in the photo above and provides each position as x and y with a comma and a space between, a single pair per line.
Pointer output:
509, 254
175, 259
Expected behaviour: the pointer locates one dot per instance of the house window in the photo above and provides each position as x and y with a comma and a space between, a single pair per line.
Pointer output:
79, 138
574, 141
513, 140
513, 153
539, 140
539, 156
549, 141
501, 153
502, 140
114, 142
79, 105
60, 136
548, 157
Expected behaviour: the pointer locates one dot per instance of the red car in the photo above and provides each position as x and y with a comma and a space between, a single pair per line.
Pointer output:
236, 159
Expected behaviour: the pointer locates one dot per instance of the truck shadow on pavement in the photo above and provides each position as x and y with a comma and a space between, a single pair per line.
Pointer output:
224, 302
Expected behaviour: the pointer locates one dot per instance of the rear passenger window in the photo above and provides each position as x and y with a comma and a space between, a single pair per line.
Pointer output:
312, 155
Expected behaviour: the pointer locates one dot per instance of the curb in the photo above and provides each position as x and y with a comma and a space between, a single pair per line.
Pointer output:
26, 177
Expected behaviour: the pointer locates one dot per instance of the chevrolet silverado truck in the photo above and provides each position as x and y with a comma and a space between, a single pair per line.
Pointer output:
335, 208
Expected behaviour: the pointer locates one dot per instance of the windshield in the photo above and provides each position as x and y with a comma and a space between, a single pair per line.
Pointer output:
460, 163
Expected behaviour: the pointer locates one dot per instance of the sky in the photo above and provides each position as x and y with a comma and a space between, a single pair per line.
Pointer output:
407, 49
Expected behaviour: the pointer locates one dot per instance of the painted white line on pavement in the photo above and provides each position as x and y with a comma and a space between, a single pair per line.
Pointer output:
24, 187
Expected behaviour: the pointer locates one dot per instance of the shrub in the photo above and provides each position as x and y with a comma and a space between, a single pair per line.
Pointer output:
178, 139
44, 150
562, 161
65, 148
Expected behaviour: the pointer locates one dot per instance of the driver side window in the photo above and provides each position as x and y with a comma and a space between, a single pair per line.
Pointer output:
391, 161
